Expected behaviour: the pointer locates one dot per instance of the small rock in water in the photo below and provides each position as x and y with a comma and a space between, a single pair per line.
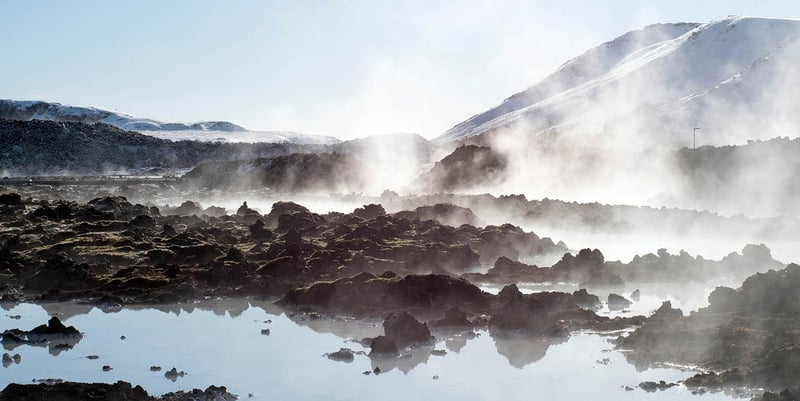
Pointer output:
367, 372
155, 368
7, 361
15, 317
17, 358
93, 357
604, 361
439, 352
264, 332
122, 337
435, 377
249, 395
635, 295
377, 370
107, 368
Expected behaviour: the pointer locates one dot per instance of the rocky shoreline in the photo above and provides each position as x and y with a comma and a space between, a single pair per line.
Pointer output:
418, 275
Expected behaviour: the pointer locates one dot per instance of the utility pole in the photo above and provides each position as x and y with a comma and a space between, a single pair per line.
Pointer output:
694, 138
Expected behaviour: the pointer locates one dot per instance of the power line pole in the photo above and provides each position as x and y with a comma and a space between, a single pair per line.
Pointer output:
694, 138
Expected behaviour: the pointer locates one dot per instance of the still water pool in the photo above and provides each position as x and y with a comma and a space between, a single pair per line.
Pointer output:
221, 343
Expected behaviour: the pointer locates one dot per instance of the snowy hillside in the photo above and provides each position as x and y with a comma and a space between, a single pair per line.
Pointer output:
216, 131
659, 82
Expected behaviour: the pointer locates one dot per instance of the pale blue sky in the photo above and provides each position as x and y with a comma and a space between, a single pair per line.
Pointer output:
343, 68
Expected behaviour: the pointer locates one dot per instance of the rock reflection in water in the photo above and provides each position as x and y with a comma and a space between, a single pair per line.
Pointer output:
523, 351
215, 347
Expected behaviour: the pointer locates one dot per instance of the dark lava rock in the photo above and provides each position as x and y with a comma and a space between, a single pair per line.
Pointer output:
58, 390
143, 221
107, 368
188, 208
405, 330
342, 355
750, 334
466, 167
52, 330
11, 199
369, 212
635, 295
69, 391
618, 302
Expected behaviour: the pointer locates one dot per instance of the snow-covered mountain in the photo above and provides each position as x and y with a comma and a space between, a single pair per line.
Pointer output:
734, 77
216, 131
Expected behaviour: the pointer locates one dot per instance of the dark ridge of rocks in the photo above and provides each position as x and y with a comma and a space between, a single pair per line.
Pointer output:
285, 173
110, 247
369, 212
72, 391
95, 149
747, 336
444, 213
468, 166
587, 268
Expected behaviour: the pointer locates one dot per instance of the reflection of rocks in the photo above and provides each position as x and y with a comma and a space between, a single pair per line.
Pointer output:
342, 355
8, 359
457, 342
454, 320
524, 350
406, 361
618, 302
405, 330
54, 335
173, 374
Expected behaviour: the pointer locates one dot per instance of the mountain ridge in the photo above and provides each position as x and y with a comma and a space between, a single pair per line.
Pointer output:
640, 70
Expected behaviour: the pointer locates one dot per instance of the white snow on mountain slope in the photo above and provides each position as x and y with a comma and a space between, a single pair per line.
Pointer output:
243, 136
201, 131
640, 82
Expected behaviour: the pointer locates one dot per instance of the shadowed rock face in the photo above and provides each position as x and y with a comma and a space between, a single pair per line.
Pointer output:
751, 333
469, 166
